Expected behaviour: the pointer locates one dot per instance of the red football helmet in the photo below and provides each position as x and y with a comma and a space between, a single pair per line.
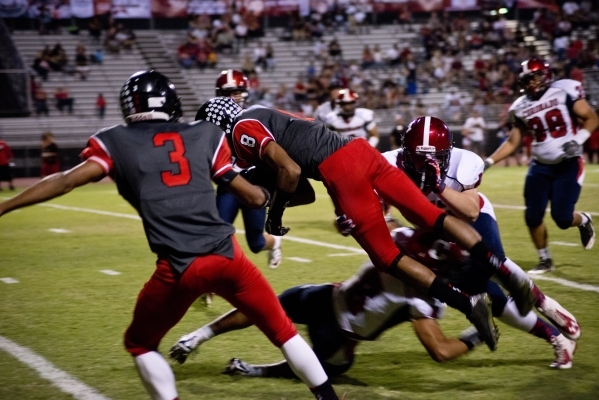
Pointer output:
232, 83
346, 99
534, 77
426, 136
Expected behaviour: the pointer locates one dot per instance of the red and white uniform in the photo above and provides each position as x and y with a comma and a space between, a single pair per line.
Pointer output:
465, 172
357, 126
550, 119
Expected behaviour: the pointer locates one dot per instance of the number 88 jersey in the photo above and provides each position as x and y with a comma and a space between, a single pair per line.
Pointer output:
550, 119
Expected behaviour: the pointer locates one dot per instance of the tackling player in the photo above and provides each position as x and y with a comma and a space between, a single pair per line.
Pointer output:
560, 120
427, 148
165, 170
347, 120
352, 170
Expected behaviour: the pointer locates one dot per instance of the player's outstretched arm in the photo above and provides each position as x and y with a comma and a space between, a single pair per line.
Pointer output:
54, 186
250, 195
584, 111
438, 346
506, 148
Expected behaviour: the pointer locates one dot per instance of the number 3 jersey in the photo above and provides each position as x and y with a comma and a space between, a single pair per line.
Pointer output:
550, 119
165, 171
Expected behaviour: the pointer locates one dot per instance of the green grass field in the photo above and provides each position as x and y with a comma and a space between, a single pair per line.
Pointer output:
74, 316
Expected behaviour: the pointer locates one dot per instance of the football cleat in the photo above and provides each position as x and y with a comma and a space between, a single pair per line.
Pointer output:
275, 256
564, 352
237, 367
587, 233
482, 318
545, 265
521, 291
560, 317
184, 347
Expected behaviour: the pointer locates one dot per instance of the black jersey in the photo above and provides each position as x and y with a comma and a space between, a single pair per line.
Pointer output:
164, 170
307, 142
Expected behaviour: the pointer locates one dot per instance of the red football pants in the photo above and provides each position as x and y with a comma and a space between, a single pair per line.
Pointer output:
351, 176
167, 295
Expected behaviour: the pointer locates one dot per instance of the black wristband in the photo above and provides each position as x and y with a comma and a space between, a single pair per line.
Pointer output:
266, 195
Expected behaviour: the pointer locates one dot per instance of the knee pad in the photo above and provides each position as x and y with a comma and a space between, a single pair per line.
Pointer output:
533, 219
563, 221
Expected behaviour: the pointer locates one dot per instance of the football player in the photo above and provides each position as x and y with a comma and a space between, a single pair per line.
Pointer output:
427, 151
165, 170
232, 83
560, 120
350, 120
294, 147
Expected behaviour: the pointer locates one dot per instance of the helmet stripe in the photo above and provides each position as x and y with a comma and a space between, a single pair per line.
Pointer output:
426, 131
230, 80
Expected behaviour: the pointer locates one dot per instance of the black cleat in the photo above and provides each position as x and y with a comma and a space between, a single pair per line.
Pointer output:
482, 318
545, 265
587, 233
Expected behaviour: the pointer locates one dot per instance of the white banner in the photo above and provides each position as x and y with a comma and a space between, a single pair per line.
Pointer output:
210, 7
131, 8
465, 4
82, 8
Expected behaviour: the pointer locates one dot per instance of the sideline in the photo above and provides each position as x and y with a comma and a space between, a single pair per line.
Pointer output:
48, 371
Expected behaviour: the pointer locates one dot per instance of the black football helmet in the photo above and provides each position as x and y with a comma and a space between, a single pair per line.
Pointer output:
149, 95
426, 136
534, 77
221, 111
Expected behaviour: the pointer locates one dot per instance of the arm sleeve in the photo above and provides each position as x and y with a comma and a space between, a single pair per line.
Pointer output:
250, 138
222, 166
97, 152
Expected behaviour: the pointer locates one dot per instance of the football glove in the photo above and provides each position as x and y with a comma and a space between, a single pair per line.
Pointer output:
572, 148
488, 163
274, 226
433, 175
344, 225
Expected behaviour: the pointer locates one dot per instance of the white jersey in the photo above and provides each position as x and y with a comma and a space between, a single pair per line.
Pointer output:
550, 119
465, 172
323, 110
357, 126
394, 303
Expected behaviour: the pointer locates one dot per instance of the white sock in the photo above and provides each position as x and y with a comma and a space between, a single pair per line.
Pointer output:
277, 242
585, 219
205, 333
516, 270
511, 316
544, 253
303, 361
156, 375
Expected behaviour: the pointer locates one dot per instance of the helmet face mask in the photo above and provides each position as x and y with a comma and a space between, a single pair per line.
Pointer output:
346, 100
149, 95
534, 78
234, 84
426, 137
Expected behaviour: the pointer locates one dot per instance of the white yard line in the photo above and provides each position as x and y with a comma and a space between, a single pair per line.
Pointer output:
48, 371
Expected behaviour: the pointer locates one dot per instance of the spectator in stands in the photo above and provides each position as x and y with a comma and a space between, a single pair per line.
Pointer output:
81, 61
335, 50
101, 105
111, 43
6, 158
392, 57
320, 49
50, 158
95, 29
224, 40
270, 61
203, 56
474, 130
40, 101
97, 57
63, 99
367, 57
259, 56
592, 146
396, 135
404, 18
41, 64
283, 99
125, 37
187, 53
300, 91
248, 66
241, 35
58, 58
254, 26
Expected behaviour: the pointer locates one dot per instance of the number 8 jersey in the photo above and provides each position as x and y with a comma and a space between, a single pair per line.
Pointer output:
550, 119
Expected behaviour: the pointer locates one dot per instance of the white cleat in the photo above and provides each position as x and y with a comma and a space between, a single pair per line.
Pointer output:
564, 352
560, 317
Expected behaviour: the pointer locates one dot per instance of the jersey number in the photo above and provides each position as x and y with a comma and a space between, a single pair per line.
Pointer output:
555, 125
247, 140
177, 156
